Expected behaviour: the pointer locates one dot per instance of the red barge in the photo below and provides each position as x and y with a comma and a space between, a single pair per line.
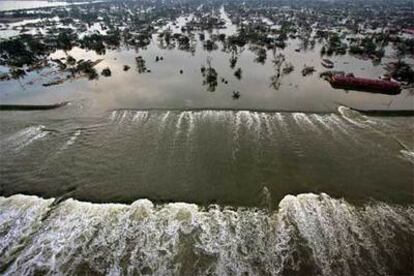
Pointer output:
362, 84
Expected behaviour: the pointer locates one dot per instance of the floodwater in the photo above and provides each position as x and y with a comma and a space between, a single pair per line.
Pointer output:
6, 5
165, 88
206, 156
10, 5
282, 182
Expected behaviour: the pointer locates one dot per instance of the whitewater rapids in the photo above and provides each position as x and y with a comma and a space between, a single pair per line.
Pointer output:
309, 234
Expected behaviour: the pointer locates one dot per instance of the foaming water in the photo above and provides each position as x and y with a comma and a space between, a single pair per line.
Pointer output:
20, 216
309, 234
71, 140
305, 121
352, 116
25, 137
178, 126
408, 155
321, 120
141, 116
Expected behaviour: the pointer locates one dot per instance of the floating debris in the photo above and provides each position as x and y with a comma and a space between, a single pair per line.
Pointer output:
327, 63
308, 70
106, 72
55, 82
289, 68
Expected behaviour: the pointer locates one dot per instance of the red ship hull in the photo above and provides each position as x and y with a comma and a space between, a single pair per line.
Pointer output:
368, 85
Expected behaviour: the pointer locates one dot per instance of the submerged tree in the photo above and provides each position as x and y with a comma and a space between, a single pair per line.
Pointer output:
93, 42
233, 61
70, 60
402, 71
140, 64
17, 74
17, 52
261, 56
106, 72
238, 73
405, 47
210, 76
87, 68
210, 45
323, 51
307, 70
233, 58
66, 40
277, 64
289, 68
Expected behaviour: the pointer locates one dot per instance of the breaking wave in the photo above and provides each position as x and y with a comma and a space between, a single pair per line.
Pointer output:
353, 117
71, 140
185, 131
260, 123
25, 137
309, 235
408, 155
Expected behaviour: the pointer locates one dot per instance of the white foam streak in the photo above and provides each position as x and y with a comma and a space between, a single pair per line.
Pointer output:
31, 140
346, 114
113, 115
408, 155
303, 120
237, 124
164, 121
321, 119
214, 115
258, 123
71, 140
140, 116
123, 116
236, 129
191, 124
341, 125
281, 120
25, 137
246, 116
266, 118
178, 126
332, 123
165, 118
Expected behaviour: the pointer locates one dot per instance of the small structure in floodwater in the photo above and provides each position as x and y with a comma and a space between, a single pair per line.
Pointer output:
327, 63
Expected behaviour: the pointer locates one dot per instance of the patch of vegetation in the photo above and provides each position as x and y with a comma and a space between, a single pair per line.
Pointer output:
238, 73
210, 76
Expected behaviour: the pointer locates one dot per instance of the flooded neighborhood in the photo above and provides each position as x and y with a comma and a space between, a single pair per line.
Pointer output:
223, 137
